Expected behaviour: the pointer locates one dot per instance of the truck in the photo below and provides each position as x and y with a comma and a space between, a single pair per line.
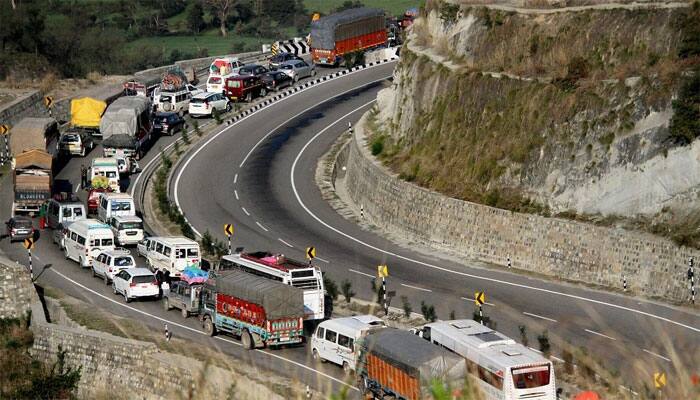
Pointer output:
32, 179
126, 127
259, 311
85, 115
397, 364
349, 31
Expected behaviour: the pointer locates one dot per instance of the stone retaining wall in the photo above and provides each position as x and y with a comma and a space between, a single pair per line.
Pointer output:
16, 289
654, 267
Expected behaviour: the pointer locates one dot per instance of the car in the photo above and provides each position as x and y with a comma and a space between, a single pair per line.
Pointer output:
276, 80
167, 123
60, 211
205, 104
108, 263
298, 69
244, 88
19, 228
142, 248
134, 283
275, 61
59, 234
252, 70
75, 143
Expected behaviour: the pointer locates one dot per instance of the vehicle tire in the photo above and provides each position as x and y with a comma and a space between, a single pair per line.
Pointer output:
316, 356
80, 262
82, 152
65, 253
263, 92
248, 97
106, 279
169, 132
228, 107
166, 304
184, 313
313, 72
296, 78
114, 288
209, 327
362, 385
214, 113
94, 274
181, 113
126, 297
246, 340
346, 368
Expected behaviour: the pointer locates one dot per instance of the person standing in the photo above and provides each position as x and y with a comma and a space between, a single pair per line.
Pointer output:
83, 176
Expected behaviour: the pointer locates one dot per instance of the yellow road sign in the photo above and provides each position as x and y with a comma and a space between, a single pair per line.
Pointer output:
4, 129
659, 379
310, 253
315, 17
275, 48
28, 243
48, 101
228, 229
479, 298
382, 271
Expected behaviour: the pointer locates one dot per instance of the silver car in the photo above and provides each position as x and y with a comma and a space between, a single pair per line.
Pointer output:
298, 69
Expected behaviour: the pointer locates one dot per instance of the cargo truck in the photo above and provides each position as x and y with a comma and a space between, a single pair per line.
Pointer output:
259, 311
32, 179
348, 31
126, 127
85, 115
399, 365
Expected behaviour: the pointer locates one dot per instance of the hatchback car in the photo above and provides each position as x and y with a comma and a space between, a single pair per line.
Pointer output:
205, 104
298, 69
108, 263
276, 80
277, 60
252, 70
133, 283
167, 123
19, 228
75, 143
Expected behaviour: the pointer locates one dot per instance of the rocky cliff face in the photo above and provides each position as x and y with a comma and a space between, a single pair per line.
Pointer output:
567, 109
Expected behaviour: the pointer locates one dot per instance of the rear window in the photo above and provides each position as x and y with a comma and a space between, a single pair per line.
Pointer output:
214, 79
23, 223
78, 212
234, 84
107, 242
198, 101
111, 174
70, 139
165, 99
143, 279
131, 225
531, 377
123, 261
192, 253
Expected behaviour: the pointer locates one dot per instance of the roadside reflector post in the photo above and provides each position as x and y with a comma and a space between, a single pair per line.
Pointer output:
479, 300
383, 272
691, 278
28, 244
228, 230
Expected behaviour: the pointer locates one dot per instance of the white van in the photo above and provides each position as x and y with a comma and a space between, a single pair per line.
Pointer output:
221, 69
127, 230
85, 239
108, 168
60, 212
172, 254
334, 339
178, 102
112, 204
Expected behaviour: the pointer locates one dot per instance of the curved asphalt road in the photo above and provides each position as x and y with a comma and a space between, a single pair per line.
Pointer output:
259, 175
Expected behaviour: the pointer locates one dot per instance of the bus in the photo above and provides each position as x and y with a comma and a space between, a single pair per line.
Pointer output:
277, 267
504, 369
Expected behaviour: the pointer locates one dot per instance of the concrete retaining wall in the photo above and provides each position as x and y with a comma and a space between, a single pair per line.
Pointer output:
16, 290
654, 267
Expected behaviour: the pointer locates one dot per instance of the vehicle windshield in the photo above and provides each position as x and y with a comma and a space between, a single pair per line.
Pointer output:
131, 225
123, 261
121, 206
287, 66
531, 377
143, 279
214, 79
107, 242
111, 174
70, 139
77, 211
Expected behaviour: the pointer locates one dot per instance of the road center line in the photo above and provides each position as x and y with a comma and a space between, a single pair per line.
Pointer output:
539, 316
416, 287
262, 227
235, 178
235, 192
657, 355
287, 244
245, 211
361, 273
322, 260
599, 334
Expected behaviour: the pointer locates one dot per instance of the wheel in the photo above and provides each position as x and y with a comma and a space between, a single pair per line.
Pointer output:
181, 113
246, 340
296, 78
346, 368
316, 356
209, 327
313, 72
94, 274
166, 304
263, 92
228, 107
184, 313
80, 261
65, 252
126, 297
169, 132
214, 113
361, 385
82, 152
114, 288
106, 279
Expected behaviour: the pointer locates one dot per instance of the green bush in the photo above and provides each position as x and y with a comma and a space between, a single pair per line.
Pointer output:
407, 309
685, 122
331, 287
377, 145
346, 287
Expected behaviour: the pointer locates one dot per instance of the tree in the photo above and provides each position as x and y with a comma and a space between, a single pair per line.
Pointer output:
348, 4
195, 17
685, 122
222, 8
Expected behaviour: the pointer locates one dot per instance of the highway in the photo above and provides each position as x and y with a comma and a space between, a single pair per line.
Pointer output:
259, 175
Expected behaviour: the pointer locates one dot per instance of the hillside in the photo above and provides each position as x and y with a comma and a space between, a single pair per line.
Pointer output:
546, 110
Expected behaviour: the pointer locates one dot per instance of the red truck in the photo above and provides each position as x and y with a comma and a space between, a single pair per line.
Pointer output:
260, 311
348, 31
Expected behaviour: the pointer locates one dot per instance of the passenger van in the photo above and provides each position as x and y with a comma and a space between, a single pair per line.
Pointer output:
85, 239
172, 254
334, 339
108, 168
60, 212
114, 204
127, 230
178, 102
219, 70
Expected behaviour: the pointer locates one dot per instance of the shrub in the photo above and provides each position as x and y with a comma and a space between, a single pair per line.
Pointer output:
685, 122
407, 309
331, 287
523, 335
545, 346
197, 129
185, 137
428, 311
346, 287
377, 145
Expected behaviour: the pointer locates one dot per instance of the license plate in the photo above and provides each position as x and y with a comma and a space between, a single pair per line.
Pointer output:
324, 60
145, 286
131, 233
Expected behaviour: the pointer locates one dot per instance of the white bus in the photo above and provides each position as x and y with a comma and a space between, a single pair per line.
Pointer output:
504, 369
291, 272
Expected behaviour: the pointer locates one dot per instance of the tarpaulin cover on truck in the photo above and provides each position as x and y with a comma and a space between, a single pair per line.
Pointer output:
120, 141
33, 133
86, 112
278, 300
34, 158
414, 355
173, 80
325, 31
122, 116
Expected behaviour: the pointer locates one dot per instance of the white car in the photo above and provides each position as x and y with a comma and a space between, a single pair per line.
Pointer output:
297, 69
109, 263
133, 283
205, 103
142, 248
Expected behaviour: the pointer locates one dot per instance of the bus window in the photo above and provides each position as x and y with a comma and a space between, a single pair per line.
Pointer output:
179, 253
192, 252
531, 377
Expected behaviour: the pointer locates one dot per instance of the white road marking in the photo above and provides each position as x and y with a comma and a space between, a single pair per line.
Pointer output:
539, 316
436, 267
77, 187
361, 273
262, 227
235, 192
287, 244
599, 334
629, 390
172, 323
416, 287
535, 350
322, 260
235, 178
245, 211
657, 355
486, 302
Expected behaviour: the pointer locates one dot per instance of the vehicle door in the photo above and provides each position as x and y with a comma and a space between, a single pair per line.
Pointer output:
98, 264
319, 341
142, 247
121, 281
73, 247
156, 256
53, 214
304, 70
331, 346
346, 350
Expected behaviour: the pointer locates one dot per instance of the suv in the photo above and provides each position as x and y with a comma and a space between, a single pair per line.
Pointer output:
75, 143
184, 296
244, 88
19, 228
135, 282
275, 61
252, 70
108, 263
206, 103
173, 101
127, 230
167, 123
